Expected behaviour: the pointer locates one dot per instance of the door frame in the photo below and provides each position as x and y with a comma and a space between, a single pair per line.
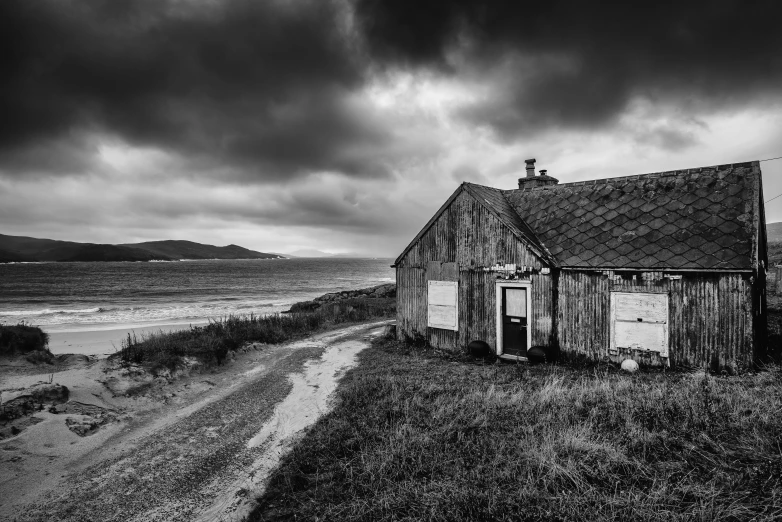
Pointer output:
498, 305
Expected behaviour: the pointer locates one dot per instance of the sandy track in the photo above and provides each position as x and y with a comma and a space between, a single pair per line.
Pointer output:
207, 459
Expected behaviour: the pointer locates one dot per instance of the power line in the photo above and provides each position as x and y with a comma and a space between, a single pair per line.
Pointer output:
771, 159
772, 199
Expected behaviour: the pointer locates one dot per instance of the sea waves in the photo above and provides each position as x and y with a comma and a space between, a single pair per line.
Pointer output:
141, 314
86, 295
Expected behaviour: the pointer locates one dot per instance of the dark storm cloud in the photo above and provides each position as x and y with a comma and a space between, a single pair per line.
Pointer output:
261, 84
577, 64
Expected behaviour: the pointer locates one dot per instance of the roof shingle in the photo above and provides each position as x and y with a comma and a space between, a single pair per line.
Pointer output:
690, 219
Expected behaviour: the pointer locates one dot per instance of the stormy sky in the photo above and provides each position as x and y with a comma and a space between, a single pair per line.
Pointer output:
343, 125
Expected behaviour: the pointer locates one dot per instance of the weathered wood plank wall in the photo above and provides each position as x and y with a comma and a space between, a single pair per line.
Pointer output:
465, 239
711, 319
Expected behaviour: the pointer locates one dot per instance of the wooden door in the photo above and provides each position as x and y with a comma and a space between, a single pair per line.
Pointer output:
514, 321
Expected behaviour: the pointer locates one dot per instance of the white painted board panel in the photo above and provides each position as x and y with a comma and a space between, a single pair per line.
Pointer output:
442, 317
443, 305
650, 333
642, 336
648, 307
442, 293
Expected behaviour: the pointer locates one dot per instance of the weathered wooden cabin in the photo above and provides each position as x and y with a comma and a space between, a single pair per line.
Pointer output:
666, 268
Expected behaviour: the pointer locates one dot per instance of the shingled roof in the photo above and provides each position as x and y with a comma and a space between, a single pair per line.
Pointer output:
703, 218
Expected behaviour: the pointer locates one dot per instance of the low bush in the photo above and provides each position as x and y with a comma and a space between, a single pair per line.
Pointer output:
40, 357
22, 338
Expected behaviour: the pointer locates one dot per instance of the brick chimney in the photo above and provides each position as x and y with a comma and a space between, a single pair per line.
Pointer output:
532, 181
530, 167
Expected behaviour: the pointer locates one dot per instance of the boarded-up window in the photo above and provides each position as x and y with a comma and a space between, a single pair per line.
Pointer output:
443, 305
639, 321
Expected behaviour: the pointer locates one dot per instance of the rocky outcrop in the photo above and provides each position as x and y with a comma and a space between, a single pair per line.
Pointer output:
85, 419
386, 291
25, 402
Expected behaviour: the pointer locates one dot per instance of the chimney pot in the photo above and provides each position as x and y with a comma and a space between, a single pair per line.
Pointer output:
530, 167
531, 181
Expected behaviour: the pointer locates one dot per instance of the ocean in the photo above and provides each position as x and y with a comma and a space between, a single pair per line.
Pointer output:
78, 297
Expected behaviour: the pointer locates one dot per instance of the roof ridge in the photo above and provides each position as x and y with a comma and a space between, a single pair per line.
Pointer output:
646, 175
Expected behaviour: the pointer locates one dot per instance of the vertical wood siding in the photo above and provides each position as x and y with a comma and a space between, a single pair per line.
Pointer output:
469, 235
710, 317
465, 239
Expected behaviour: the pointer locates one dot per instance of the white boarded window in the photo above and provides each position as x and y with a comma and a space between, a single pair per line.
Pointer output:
639, 321
443, 311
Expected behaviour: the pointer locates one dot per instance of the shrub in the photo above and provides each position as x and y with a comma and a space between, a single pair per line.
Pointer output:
22, 338
40, 356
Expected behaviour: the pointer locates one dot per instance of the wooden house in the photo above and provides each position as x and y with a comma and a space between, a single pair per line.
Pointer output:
665, 268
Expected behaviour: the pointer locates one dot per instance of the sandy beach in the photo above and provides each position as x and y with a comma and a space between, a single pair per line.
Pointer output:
195, 445
104, 342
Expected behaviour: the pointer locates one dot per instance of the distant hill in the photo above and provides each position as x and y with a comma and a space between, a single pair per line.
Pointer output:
774, 237
21, 248
189, 250
310, 252
774, 232
11, 257
348, 255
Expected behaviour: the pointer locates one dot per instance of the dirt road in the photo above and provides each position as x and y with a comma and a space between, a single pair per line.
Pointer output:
206, 460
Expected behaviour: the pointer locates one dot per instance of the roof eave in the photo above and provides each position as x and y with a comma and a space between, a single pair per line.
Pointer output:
429, 224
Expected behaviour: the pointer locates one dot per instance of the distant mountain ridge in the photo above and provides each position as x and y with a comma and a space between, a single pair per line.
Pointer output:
774, 232
22, 248
310, 252
178, 249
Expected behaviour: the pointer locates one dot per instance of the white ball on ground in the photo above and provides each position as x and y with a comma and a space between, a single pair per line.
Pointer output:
629, 365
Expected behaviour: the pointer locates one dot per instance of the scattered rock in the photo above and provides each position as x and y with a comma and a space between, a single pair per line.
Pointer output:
629, 365
87, 419
536, 354
376, 292
479, 349
29, 400
82, 426
16, 427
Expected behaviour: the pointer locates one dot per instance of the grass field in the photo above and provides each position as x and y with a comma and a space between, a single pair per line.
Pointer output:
422, 435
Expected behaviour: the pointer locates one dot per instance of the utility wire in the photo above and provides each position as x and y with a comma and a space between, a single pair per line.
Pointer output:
771, 159
772, 199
